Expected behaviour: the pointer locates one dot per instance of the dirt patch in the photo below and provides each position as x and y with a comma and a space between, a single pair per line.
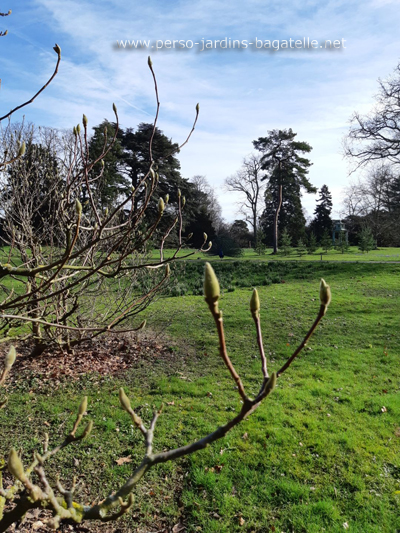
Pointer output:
106, 356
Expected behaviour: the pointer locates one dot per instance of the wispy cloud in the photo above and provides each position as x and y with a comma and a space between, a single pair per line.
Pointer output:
243, 93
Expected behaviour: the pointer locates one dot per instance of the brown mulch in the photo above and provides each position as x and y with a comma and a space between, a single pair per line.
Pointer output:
106, 356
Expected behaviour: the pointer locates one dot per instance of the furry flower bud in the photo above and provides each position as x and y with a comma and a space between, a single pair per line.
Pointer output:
15, 466
161, 206
84, 120
123, 398
211, 285
88, 429
21, 150
10, 358
255, 302
270, 385
83, 406
325, 293
78, 207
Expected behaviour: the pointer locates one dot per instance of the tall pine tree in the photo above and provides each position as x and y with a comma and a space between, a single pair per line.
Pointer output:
322, 221
288, 169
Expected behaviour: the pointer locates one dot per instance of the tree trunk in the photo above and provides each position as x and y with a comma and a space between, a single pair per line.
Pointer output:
276, 218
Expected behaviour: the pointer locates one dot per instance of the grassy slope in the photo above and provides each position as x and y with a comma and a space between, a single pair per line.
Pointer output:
290, 466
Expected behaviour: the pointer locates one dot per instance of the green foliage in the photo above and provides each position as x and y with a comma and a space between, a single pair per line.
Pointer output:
326, 241
312, 245
322, 221
342, 244
366, 240
301, 247
286, 242
283, 157
260, 247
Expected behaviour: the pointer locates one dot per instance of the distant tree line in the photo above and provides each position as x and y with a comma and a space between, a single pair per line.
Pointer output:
271, 183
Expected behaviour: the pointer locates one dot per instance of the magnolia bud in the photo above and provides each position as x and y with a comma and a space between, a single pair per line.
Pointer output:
10, 358
15, 466
57, 49
255, 302
149, 62
74, 131
167, 270
78, 129
205, 236
152, 173
102, 163
270, 385
197, 108
211, 285
123, 398
166, 198
78, 207
83, 406
106, 211
161, 206
115, 109
325, 293
88, 429
209, 244
179, 193
183, 201
84, 121
21, 150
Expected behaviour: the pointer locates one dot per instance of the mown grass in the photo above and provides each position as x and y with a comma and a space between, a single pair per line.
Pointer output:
352, 254
320, 454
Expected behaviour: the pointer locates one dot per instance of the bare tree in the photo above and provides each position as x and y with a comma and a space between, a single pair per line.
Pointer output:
73, 271
248, 182
376, 136
213, 206
370, 201
32, 488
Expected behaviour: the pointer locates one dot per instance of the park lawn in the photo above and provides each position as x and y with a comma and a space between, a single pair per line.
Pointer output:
353, 254
323, 451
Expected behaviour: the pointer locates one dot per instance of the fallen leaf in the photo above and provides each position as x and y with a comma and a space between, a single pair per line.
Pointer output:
123, 460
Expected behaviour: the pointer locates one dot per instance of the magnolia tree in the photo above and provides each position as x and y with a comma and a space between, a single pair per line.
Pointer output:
71, 270
31, 488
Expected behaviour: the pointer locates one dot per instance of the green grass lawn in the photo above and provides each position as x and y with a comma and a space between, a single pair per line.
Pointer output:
353, 254
321, 454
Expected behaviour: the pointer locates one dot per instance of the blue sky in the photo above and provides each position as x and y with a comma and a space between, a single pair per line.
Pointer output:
242, 93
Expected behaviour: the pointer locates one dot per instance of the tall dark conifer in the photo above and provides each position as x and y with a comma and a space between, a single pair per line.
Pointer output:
322, 221
288, 169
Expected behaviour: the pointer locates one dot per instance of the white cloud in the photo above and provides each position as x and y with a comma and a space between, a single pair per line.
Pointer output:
242, 94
